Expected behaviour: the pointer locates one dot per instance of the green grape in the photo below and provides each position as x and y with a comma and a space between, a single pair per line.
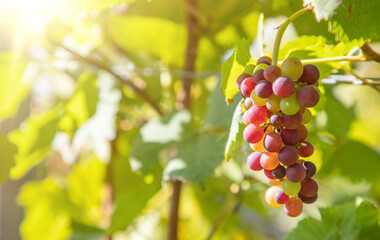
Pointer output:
249, 69
291, 188
273, 103
306, 116
261, 66
290, 105
257, 100
292, 68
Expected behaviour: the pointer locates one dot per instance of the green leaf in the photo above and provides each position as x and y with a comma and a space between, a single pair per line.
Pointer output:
7, 153
81, 106
338, 222
33, 141
233, 67
323, 9
13, 88
133, 200
198, 156
235, 137
85, 232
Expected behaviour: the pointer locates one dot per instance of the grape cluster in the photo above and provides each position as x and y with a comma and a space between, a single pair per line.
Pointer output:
276, 102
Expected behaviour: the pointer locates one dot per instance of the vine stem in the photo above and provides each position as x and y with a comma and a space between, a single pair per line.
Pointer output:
281, 30
335, 59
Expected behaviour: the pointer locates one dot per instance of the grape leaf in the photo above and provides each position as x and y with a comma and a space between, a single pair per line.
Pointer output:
323, 9
81, 106
235, 137
33, 141
13, 88
339, 222
198, 156
7, 153
232, 68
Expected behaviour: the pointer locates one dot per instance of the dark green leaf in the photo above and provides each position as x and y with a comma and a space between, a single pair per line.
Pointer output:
7, 153
85, 232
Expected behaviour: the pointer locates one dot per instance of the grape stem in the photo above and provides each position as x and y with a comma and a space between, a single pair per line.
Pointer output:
281, 30
334, 59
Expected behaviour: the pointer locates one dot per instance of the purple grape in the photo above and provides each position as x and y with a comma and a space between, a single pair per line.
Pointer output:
278, 172
288, 155
308, 200
276, 120
283, 87
310, 168
272, 142
306, 149
309, 187
241, 78
307, 96
263, 89
310, 74
290, 136
303, 132
292, 121
295, 173
258, 76
247, 86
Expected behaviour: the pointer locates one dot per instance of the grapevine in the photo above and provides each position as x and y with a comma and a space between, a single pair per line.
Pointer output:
277, 102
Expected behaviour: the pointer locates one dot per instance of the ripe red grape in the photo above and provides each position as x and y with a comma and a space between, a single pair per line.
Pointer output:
290, 136
278, 172
303, 132
310, 168
257, 114
271, 73
307, 96
253, 161
272, 142
293, 207
247, 86
241, 78
264, 59
283, 87
245, 118
269, 160
306, 149
276, 120
295, 173
263, 89
308, 200
280, 197
288, 155
310, 74
258, 76
253, 133
309, 187
292, 121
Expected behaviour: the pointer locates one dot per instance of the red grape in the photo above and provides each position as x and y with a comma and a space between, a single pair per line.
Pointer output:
271, 73
283, 87
307, 96
293, 207
303, 132
272, 142
258, 76
288, 155
295, 173
253, 133
247, 103
308, 200
247, 86
253, 161
268, 174
309, 187
276, 120
278, 172
257, 114
263, 89
290, 136
280, 197
292, 121
241, 78
310, 74
306, 149
310, 168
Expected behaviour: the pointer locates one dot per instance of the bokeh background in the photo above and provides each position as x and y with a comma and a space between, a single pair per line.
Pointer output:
84, 155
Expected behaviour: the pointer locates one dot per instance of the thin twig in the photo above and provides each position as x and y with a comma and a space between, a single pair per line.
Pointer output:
369, 53
365, 81
335, 59
123, 79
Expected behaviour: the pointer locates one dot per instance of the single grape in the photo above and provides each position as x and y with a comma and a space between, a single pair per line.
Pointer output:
276, 120
288, 155
258, 76
264, 59
275, 182
258, 147
310, 168
253, 133
280, 197
303, 132
268, 174
309, 187
278, 172
258, 100
290, 136
273, 142
249, 69
253, 161
283, 87
247, 103
271, 73
241, 78
306, 116
273, 103
247, 87
308, 200
289, 105
310, 74
307, 96
269, 196
264, 89
245, 118
269, 160
306, 149
292, 121
291, 188
292, 67
257, 114
262, 65
295, 172
293, 207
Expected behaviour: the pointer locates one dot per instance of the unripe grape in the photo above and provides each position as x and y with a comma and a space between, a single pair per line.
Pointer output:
273, 103
249, 69
306, 116
289, 105
262, 65
291, 188
257, 100
292, 67
269, 196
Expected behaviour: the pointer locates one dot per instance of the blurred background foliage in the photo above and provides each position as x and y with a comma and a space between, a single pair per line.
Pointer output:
91, 133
